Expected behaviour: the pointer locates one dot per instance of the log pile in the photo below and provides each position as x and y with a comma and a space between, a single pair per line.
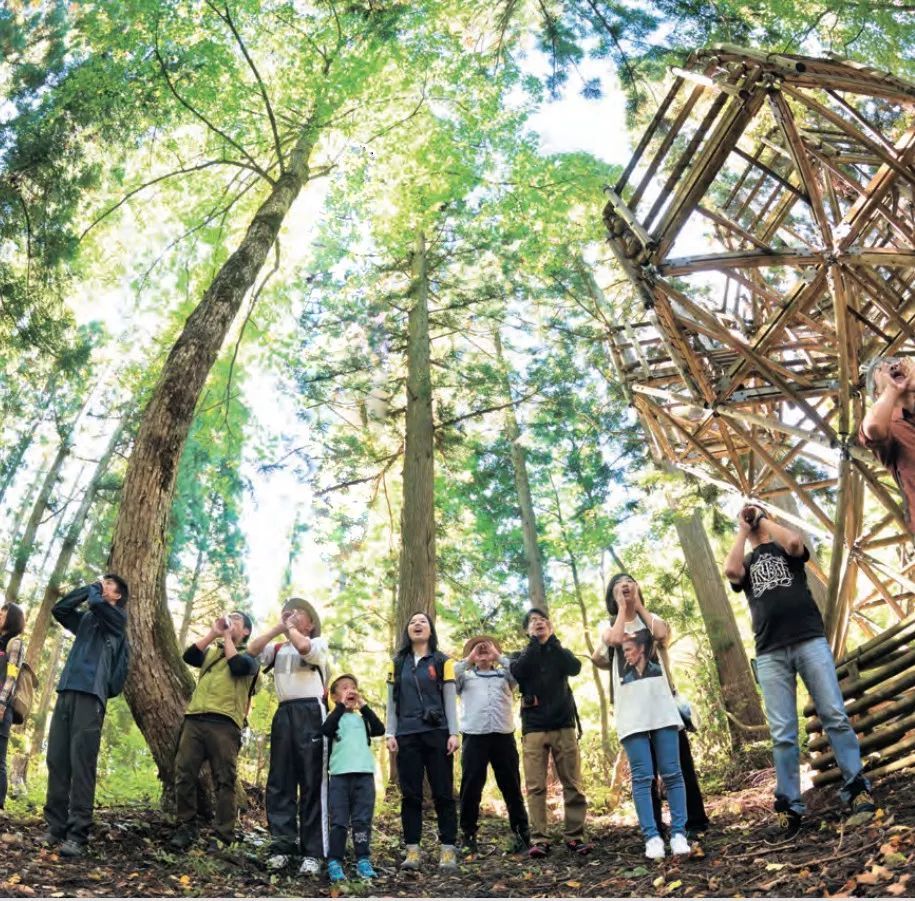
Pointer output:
878, 685
766, 222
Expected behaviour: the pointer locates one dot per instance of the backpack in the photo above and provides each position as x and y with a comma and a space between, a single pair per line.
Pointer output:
23, 694
120, 663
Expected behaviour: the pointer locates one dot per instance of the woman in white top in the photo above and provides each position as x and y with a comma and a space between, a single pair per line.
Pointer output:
645, 709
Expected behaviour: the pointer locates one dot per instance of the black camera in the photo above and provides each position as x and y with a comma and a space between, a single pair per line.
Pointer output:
530, 701
431, 716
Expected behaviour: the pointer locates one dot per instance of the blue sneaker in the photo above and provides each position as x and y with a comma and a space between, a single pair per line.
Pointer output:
364, 868
335, 871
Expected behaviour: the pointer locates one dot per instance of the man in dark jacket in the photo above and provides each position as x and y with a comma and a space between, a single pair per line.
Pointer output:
82, 694
548, 728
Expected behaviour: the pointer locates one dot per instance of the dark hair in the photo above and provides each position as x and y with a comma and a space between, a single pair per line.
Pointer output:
534, 611
406, 644
123, 590
245, 619
612, 607
15, 620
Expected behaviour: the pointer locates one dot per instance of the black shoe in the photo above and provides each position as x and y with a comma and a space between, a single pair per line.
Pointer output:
182, 838
469, 844
580, 847
787, 823
49, 838
521, 842
70, 848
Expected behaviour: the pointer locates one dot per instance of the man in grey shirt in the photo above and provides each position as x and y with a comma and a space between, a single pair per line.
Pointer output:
485, 685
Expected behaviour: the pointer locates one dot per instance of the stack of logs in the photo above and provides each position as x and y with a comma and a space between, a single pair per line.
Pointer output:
878, 685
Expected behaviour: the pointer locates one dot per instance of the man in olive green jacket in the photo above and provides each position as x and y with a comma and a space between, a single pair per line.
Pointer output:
212, 725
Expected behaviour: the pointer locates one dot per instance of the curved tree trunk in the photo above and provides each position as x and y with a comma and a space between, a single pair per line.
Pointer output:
416, 586
738, 692
159, 685
535, 581
52, 592
40, 718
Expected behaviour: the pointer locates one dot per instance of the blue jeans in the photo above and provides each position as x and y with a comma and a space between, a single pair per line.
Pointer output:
667, 749
777, 672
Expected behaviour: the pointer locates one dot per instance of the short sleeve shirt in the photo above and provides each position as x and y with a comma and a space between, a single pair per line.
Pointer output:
897, 454
642, 699
781, 606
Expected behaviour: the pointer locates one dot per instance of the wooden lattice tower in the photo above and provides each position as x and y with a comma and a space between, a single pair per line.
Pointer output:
795, 178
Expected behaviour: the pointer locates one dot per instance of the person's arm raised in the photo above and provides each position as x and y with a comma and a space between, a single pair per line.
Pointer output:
256, 645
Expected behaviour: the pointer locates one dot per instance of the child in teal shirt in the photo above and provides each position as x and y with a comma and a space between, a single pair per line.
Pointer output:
350, 728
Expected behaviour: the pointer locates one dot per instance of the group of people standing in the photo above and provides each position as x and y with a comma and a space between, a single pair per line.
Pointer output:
321, 786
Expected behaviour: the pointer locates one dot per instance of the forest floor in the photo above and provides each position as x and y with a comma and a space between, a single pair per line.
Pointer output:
832, 856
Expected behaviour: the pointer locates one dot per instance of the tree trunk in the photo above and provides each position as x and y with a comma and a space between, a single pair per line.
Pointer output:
26, 544
586, 626
535, 581
738, 691
40, 719
65, 555
159, 685
19, 516
416, 586
13, 460
189, 598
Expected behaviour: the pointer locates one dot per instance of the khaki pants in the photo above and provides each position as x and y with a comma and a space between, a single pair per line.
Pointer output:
537, 747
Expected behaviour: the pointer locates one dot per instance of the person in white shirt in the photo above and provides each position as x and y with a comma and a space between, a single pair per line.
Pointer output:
485, 686
296, 782
647, 717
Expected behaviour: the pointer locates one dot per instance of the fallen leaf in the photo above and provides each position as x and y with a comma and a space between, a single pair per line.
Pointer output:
673, 886
897, 888
775, 867
658, 882
185, 880
697, 852
573, 884
635, 872
895, 859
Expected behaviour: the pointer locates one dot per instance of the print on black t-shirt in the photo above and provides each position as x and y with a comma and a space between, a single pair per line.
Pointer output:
781, 606
638, 658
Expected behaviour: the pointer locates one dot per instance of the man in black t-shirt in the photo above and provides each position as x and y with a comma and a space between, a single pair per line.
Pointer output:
791, 641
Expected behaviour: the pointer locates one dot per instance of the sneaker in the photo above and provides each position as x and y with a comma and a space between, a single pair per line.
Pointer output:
679, 845
862, 802
311, 866
276, 862
364, 869
69, 848
580, 847
469, 844
49, 838
335, 870
787, 823
447, 861
538, 850
654, 848
182, 838
412, 859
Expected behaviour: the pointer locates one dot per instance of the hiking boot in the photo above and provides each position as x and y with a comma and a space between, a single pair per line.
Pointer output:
861, 800
521, 842
412, 860
679, 846
50, 839
364, 869
311, 866
71, 848
335, 870
787, 823
538, 850
447, 861
580, 847
654, 848
182, 838
469, 844
277, 862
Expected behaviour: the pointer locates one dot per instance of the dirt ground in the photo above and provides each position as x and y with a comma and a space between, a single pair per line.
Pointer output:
831, 857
